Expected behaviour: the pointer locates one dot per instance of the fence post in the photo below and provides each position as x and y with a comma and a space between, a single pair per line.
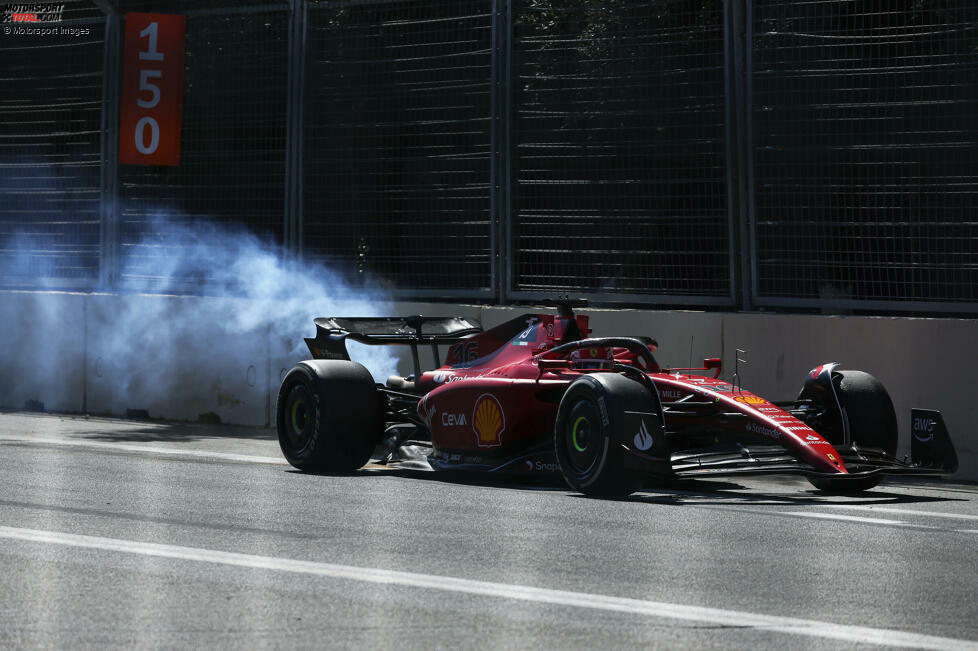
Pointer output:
293, 218
738, 23
500, 175
109, 200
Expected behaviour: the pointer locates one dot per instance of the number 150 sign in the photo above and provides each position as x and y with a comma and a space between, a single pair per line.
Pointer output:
152, 90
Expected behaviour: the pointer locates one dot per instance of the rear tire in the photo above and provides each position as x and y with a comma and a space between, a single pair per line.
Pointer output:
329, 416
872, 424
588, 451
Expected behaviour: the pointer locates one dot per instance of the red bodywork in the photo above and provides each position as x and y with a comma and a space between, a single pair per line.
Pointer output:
499, 391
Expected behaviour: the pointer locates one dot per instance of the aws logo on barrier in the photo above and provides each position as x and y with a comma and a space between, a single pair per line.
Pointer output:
488, 421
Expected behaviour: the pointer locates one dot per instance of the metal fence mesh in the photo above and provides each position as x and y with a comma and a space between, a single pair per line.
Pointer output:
232, 162
620, 148
397, 141
606, 135
865, 123
50, 130
198, 7
71, 10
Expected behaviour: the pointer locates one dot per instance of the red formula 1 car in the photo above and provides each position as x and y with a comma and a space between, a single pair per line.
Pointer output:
536, 394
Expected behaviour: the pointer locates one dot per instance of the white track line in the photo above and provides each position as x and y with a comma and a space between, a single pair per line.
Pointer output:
855, 518
886, 509
148, 449
790, 625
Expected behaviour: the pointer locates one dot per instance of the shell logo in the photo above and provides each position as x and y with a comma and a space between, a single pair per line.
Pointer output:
488, 421
750, 400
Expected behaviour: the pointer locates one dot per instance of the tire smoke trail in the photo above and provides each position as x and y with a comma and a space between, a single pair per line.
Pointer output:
207, 319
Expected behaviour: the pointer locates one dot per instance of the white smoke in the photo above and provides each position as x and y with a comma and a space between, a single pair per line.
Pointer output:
157, 346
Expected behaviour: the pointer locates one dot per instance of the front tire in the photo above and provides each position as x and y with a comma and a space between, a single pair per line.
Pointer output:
329, 416
586, 439
872, 424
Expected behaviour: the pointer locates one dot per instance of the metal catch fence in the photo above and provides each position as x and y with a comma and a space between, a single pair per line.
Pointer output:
396, 147
232, 167
619, 151
50, 157
739, 153
865, 142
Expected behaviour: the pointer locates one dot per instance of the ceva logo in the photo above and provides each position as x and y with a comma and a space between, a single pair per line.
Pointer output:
453, 420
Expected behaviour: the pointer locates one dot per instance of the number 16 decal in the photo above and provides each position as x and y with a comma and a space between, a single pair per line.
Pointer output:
151, 104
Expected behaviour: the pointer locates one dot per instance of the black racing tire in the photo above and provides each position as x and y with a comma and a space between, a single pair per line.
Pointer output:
586, 434
329, 416
872, 424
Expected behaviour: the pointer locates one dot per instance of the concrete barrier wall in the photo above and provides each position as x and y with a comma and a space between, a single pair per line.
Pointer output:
61, 351
42, 359
137, 360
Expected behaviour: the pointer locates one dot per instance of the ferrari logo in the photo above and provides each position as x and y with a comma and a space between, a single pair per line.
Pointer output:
488, 421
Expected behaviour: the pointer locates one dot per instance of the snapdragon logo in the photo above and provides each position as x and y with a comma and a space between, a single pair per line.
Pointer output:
541, 466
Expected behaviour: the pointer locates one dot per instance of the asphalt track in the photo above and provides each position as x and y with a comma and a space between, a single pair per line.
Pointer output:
144, 535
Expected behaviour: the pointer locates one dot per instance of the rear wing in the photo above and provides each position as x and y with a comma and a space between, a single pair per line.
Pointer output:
332, 333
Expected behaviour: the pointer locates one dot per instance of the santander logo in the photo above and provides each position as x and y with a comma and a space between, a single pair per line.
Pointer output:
643, 440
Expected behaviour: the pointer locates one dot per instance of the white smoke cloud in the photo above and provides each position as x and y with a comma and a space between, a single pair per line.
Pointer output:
158, 347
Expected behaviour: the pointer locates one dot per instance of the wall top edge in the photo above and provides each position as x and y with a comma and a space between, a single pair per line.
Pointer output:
444, 308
